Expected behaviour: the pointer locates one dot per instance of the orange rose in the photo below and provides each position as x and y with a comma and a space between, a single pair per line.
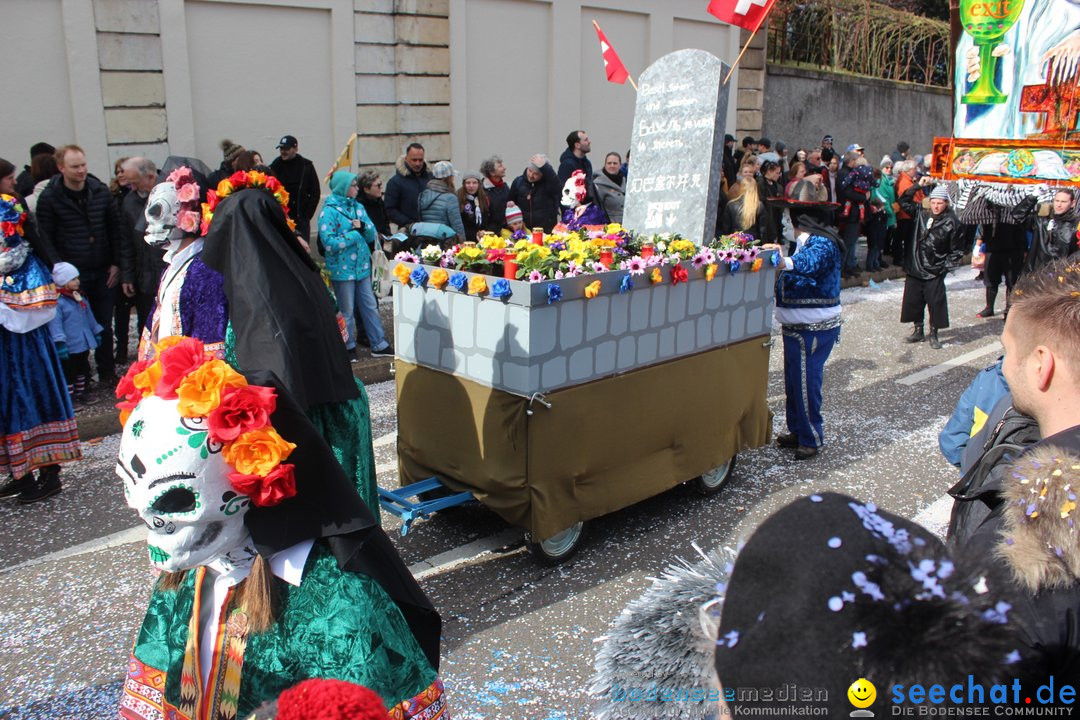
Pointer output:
592, 289
402, 274
224, 188
477, 285
656, 276
165, 343
756, 266
258, 452
147, 380
439, 278
710, 271
200, 392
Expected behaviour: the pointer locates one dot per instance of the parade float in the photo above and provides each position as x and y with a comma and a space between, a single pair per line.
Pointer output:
559, 377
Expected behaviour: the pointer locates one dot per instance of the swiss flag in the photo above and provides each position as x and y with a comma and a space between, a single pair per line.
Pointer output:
616, 71
747, 14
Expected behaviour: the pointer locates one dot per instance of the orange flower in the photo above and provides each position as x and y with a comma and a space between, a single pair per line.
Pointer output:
124, 415
224, 188
477, 285
147, 380
165, 343
402, 274
656, 276
291, 223
439, 278
592, 289
756, 266
200, 392
256, 178
257, 452
710, 272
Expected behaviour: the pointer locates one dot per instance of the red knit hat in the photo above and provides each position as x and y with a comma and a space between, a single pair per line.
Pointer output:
319, 699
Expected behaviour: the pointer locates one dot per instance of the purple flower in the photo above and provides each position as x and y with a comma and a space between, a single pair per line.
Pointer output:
554, 293
519, 235
419, 277
501, 289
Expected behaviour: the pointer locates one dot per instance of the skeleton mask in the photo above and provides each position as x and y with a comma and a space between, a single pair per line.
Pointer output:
162, 209
177, 480
573, 192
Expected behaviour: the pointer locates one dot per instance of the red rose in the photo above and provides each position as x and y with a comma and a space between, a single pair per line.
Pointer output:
273, 184
242, 410
239, 179
279, 485
177, 362
126, 389
212, 200
678, 274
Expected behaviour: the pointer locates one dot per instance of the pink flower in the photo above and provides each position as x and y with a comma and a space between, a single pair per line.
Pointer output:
710, 257
188, 221
187, 193
536, 276
745, 256
559, 275
636, 265
699, 261
598, 267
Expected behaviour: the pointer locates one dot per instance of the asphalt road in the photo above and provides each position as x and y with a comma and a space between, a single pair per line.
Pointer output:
519, 638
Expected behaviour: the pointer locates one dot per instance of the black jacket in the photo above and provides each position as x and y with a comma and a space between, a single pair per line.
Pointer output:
936, 249
87, 238
539, 201
402, 194
24, 183
497, 199
376, 210
568, 163
301, 182
1047, 242
141, 265
731, 221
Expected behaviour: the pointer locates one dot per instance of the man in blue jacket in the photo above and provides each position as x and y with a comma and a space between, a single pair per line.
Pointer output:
808, 310
402, 193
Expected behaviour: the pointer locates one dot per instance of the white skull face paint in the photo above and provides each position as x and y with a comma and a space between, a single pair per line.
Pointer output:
573, 192
162, 208
177, 480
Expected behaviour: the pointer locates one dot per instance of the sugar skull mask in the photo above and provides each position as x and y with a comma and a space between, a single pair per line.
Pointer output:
574, 191
176, 479
162, 208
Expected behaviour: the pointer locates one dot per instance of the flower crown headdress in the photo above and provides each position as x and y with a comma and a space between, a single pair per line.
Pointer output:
187, 194
228, 413
241, 180
12, 216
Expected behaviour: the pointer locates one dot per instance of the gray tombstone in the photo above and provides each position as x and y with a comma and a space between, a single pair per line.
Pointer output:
676, 152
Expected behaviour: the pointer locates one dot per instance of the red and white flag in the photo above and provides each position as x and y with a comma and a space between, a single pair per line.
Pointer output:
747, 14
616, 71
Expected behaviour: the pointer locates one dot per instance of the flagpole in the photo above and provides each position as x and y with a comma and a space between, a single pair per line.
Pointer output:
628, 75
741, 53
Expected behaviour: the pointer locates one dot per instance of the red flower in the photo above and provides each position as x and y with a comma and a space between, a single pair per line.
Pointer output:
279, 485
273, 184
125, 389
242, 410
177, 362
678, 274
212, 200
239, 179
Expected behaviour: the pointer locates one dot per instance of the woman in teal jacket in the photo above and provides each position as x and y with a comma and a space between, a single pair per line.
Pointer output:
349, 236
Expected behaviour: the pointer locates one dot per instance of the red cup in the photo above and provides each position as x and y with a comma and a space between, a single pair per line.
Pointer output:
647, 251
538, 236
510, 267
607, 258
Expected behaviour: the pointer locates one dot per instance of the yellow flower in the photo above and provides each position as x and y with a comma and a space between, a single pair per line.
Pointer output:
224, 188
520, 245
756, 266
592, 289
710, 272
257, 452
477, 285
439, 278
613, 229
402, 274
657, 276
200, 391
492, 242
256, 179
147, 380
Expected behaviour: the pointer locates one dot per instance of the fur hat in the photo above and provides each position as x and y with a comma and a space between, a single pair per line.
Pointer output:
513, 213
230, 151
940, 192
829, 590
63, 273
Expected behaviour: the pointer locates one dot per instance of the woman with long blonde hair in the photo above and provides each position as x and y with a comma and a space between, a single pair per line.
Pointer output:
746, 213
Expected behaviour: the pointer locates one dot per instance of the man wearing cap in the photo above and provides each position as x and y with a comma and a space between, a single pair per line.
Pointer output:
935, 250
827, 151
298, 175
808, 310
402, 192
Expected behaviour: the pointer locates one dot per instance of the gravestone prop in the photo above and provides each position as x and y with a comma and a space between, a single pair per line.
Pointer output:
676, 150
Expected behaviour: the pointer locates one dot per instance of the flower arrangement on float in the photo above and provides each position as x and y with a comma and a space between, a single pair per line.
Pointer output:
544, 257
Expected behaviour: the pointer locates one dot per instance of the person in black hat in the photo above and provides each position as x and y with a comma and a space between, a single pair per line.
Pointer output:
298, 175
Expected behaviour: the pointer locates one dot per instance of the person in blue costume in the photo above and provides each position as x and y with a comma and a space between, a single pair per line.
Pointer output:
37, 421
808, 310
348, 235
274, 570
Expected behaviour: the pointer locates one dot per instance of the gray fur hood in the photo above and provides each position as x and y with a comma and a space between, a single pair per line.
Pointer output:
403, 169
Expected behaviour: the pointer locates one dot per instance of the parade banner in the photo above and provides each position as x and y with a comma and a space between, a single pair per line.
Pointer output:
1016, 93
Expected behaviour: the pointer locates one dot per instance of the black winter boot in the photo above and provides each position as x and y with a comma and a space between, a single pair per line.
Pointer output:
988, 311
16, 486
45, 485
935, 344
917, 335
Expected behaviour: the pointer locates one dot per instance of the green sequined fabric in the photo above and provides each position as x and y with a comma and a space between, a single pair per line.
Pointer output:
335, 625
346, 427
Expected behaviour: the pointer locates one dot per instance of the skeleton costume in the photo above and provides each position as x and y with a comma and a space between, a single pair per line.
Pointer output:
37, 422
256, 299
579, 213
236, 487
